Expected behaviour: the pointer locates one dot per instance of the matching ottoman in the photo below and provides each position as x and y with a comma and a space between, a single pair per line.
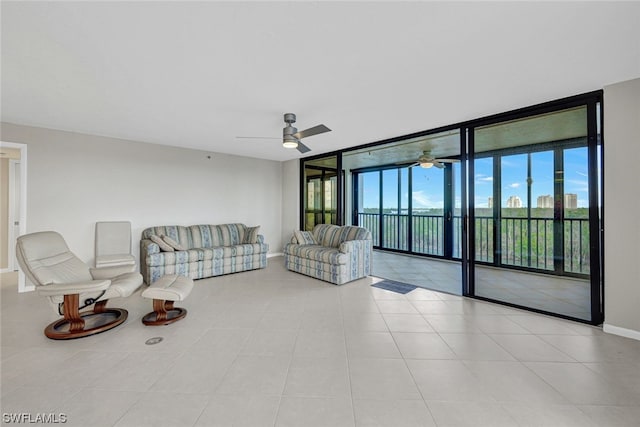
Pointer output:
164, 292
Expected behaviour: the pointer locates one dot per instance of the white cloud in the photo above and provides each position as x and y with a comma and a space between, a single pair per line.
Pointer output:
514, 185
480, 178
422, 200
576, 186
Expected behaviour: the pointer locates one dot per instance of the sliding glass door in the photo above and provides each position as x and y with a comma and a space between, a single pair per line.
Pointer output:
535, 212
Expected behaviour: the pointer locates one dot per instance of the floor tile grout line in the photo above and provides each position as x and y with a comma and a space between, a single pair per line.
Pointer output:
415, 383
346, 352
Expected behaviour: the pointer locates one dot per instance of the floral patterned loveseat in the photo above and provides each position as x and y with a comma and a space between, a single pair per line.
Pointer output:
335, 254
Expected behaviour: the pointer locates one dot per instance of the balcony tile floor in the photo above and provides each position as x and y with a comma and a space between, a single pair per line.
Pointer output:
563, 295
276, 348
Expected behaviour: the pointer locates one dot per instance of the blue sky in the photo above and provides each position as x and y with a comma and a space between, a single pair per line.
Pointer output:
428, 183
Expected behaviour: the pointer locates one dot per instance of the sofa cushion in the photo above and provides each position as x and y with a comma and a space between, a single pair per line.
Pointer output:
205, 254
175, 245
317, 253
211, 253
241, 250
177, 257
304, 237
161, 243
180, 234
210, 236
352, 232
327, 235
251, 235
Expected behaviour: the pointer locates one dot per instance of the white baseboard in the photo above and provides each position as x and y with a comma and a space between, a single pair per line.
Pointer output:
275, 254
623, 332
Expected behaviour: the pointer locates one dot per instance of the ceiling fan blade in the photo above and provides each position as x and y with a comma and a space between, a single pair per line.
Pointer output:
437, 164
448, 160
303, 148
311, 131
257, 137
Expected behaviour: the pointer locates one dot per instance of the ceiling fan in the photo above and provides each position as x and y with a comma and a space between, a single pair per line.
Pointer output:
427, 161
290, 135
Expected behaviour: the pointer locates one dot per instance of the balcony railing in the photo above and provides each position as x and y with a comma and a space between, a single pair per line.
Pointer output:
524, 242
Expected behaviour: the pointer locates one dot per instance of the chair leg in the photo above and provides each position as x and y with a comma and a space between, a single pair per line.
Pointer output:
161, 307
100, 306
72, 313
73, 323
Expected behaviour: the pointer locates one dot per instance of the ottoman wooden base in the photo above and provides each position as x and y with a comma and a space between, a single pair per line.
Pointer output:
164, 293
163, 313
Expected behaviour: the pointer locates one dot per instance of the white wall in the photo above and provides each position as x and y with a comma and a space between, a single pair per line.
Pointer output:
290, 199
75, 180
4, 213
622, 204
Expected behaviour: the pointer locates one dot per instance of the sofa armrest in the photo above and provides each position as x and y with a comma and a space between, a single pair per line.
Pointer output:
148, 247
354, 246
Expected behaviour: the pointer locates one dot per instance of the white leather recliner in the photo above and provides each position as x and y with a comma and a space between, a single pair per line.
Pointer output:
72, 286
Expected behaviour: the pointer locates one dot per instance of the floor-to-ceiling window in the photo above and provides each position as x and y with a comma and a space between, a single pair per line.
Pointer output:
321, 194
368, 203
410, 201
428, 218
515, 197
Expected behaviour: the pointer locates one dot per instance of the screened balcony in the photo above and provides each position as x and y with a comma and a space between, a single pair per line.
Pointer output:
524, 242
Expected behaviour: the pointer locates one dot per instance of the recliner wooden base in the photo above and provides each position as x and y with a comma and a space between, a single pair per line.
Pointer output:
78, 325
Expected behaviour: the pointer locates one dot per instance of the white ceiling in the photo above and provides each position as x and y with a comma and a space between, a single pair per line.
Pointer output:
198, 74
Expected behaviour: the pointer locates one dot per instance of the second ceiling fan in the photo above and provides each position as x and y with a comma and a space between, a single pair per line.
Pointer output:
426, 160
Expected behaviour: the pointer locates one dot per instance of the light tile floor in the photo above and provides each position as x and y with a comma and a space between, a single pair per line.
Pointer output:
275, 348
563, 295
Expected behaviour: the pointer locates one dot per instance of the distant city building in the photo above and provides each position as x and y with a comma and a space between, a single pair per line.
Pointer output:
490, 202
514, 202
570, 201
545, 201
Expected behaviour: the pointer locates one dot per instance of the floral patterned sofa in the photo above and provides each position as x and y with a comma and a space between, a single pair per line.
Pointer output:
200, 251
331, 253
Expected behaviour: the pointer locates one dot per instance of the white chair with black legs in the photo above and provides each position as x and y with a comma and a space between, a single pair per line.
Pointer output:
71, 286
113, 247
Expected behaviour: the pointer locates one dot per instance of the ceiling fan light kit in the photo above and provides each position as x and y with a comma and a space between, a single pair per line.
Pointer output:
290, 143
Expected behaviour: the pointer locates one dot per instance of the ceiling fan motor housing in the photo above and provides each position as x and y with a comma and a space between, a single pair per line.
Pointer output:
289, 130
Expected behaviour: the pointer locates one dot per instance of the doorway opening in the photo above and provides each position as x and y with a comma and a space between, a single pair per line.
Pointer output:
13, 164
